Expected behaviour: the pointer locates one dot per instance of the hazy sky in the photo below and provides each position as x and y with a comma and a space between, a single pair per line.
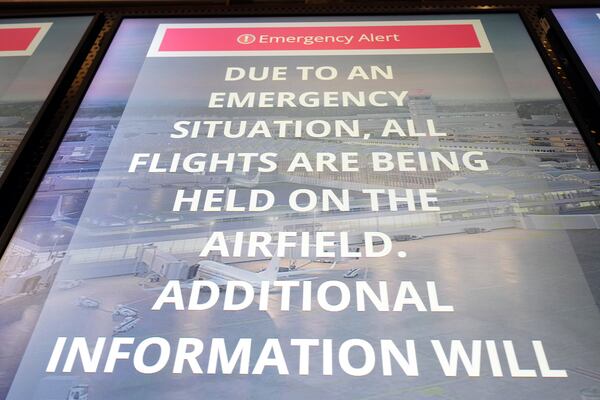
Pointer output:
458, 77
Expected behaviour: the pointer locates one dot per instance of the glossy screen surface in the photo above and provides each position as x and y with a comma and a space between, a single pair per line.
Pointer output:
507, 267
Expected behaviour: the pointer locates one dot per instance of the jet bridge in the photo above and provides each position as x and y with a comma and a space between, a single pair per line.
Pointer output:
165, 264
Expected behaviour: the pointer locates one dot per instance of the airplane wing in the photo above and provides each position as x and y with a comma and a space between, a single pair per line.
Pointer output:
290, 274
187, 284
218, 281
293, 277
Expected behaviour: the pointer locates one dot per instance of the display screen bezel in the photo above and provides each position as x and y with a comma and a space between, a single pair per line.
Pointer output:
92, 71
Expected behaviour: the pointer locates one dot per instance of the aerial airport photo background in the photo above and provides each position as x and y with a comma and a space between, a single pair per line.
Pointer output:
511, 248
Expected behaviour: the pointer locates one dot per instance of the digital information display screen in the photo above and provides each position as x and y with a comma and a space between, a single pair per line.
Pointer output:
581, 26
346, 208
33, 54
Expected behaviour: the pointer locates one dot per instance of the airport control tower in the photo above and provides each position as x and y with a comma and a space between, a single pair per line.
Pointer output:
421, 108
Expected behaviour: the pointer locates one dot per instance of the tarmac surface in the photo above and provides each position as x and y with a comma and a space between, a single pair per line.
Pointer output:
504, 285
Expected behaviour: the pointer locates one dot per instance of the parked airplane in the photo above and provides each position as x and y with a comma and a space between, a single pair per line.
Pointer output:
220, 273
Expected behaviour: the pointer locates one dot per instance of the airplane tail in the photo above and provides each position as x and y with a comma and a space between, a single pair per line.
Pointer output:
57, 214
270, 273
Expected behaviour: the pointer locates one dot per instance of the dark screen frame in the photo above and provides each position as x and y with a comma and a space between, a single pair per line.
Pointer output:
90, 71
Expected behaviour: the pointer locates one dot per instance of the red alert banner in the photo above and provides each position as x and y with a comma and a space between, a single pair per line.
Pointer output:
339, 38
21, 39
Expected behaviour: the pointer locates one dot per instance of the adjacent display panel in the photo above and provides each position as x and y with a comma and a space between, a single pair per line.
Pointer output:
33, 54
581, 28
342, 207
